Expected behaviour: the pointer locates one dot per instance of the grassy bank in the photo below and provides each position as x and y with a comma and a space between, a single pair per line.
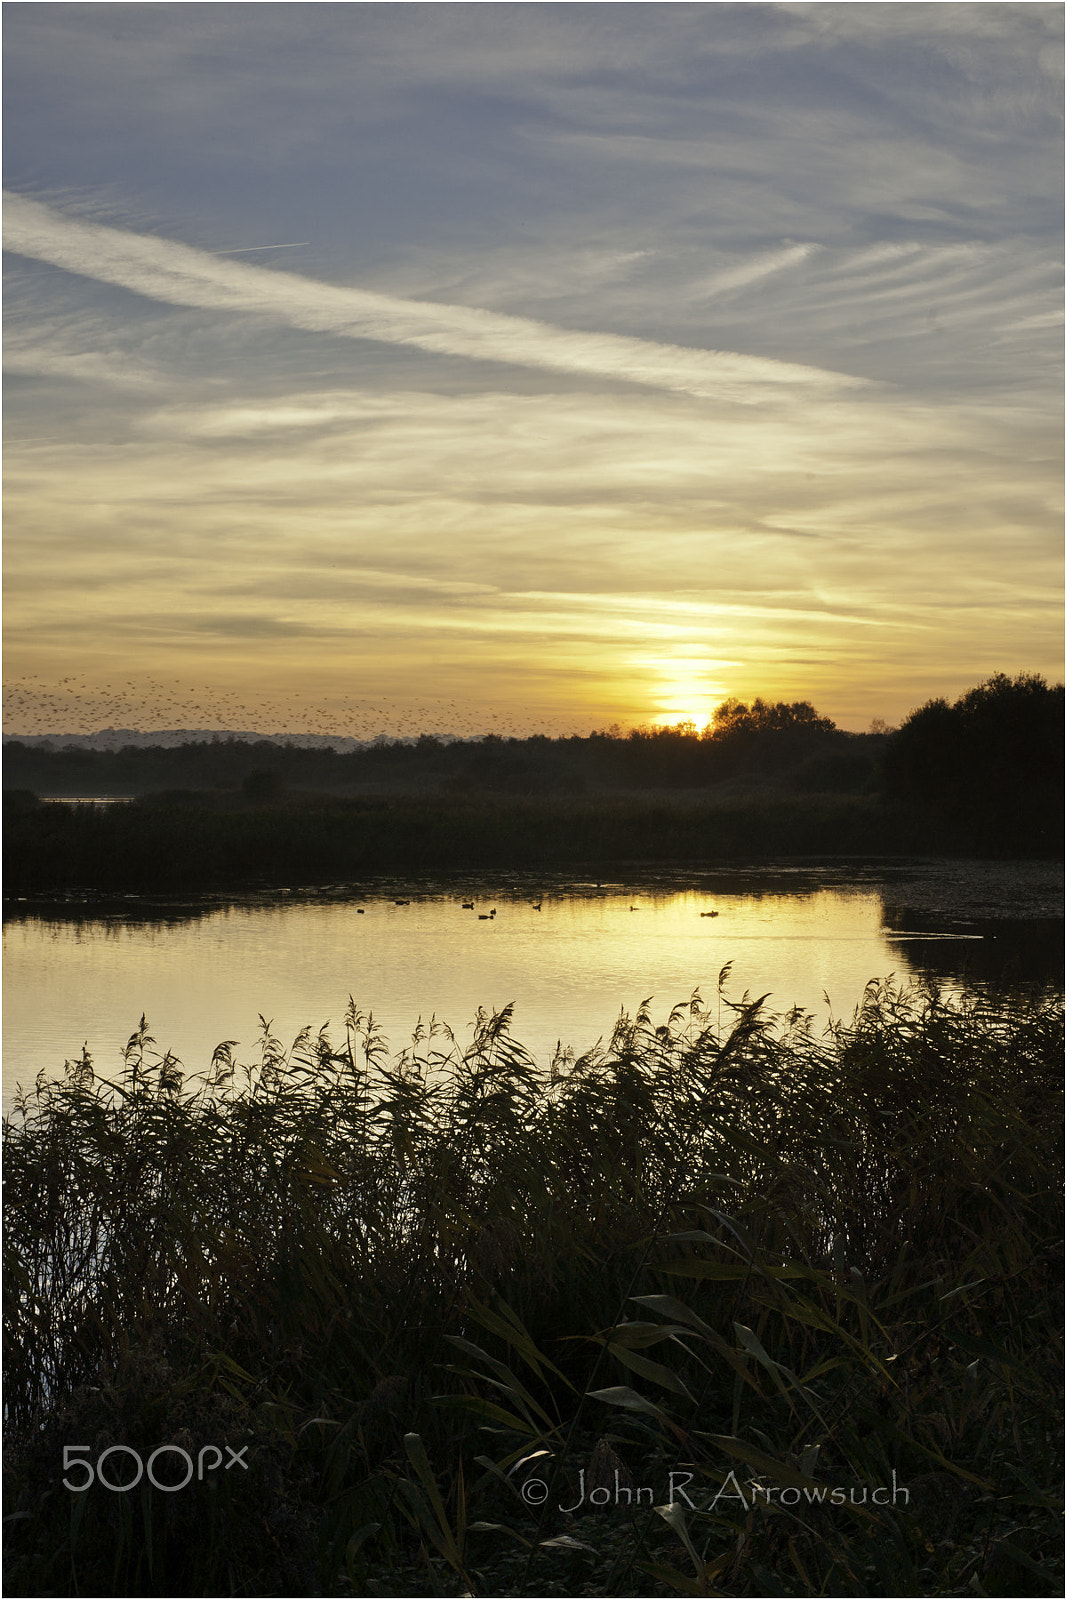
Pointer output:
187, 845
407, 1288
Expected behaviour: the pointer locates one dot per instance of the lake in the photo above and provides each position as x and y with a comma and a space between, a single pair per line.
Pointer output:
84, 969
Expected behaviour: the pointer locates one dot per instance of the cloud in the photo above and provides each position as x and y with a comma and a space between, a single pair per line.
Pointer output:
758, 267
607, 518
52, 353
180, 275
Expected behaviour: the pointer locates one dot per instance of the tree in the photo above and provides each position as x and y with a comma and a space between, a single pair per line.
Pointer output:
991, 764
734, 717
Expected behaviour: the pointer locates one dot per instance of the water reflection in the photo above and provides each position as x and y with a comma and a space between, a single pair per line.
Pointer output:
988, 952
203, 970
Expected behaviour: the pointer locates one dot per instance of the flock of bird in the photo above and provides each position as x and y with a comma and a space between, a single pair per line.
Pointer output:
488, 916
78, 706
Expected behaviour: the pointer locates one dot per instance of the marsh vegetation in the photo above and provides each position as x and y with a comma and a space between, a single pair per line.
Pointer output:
982, 777
185, 845
725, 1241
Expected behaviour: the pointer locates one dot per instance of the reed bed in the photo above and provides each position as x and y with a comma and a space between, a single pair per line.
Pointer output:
182, 843
734, 1245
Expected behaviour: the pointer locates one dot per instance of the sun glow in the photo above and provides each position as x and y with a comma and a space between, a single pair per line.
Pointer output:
686, 701
681, 687
696, 718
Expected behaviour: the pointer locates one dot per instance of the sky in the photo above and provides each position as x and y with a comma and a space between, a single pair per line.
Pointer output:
398, 368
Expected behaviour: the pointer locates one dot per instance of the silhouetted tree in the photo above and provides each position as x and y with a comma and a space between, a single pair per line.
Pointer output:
734, 717
991, 764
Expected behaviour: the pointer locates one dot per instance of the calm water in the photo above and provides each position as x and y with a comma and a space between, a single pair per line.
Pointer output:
202, 971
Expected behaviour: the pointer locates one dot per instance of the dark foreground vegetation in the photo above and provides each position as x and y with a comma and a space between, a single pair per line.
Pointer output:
131, 847
793, 1265
983, 777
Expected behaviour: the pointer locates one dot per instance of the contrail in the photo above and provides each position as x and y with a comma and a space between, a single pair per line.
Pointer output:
246, 249
180, 275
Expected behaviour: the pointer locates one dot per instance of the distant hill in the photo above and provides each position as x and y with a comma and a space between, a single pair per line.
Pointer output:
122, 738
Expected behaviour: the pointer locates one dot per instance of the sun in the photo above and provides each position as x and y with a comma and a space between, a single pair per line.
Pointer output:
685, 702
682, 687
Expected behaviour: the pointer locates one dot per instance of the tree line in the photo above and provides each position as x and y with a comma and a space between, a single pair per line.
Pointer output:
761, 740
986, 770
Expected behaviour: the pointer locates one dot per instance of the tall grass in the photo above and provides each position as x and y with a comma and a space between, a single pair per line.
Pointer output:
729, 1241
190, 846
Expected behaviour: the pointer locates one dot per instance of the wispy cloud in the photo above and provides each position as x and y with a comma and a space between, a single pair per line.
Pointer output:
56, 352
176, 273
758, 267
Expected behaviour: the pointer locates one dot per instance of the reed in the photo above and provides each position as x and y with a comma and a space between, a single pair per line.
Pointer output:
407, 1284
187, 847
